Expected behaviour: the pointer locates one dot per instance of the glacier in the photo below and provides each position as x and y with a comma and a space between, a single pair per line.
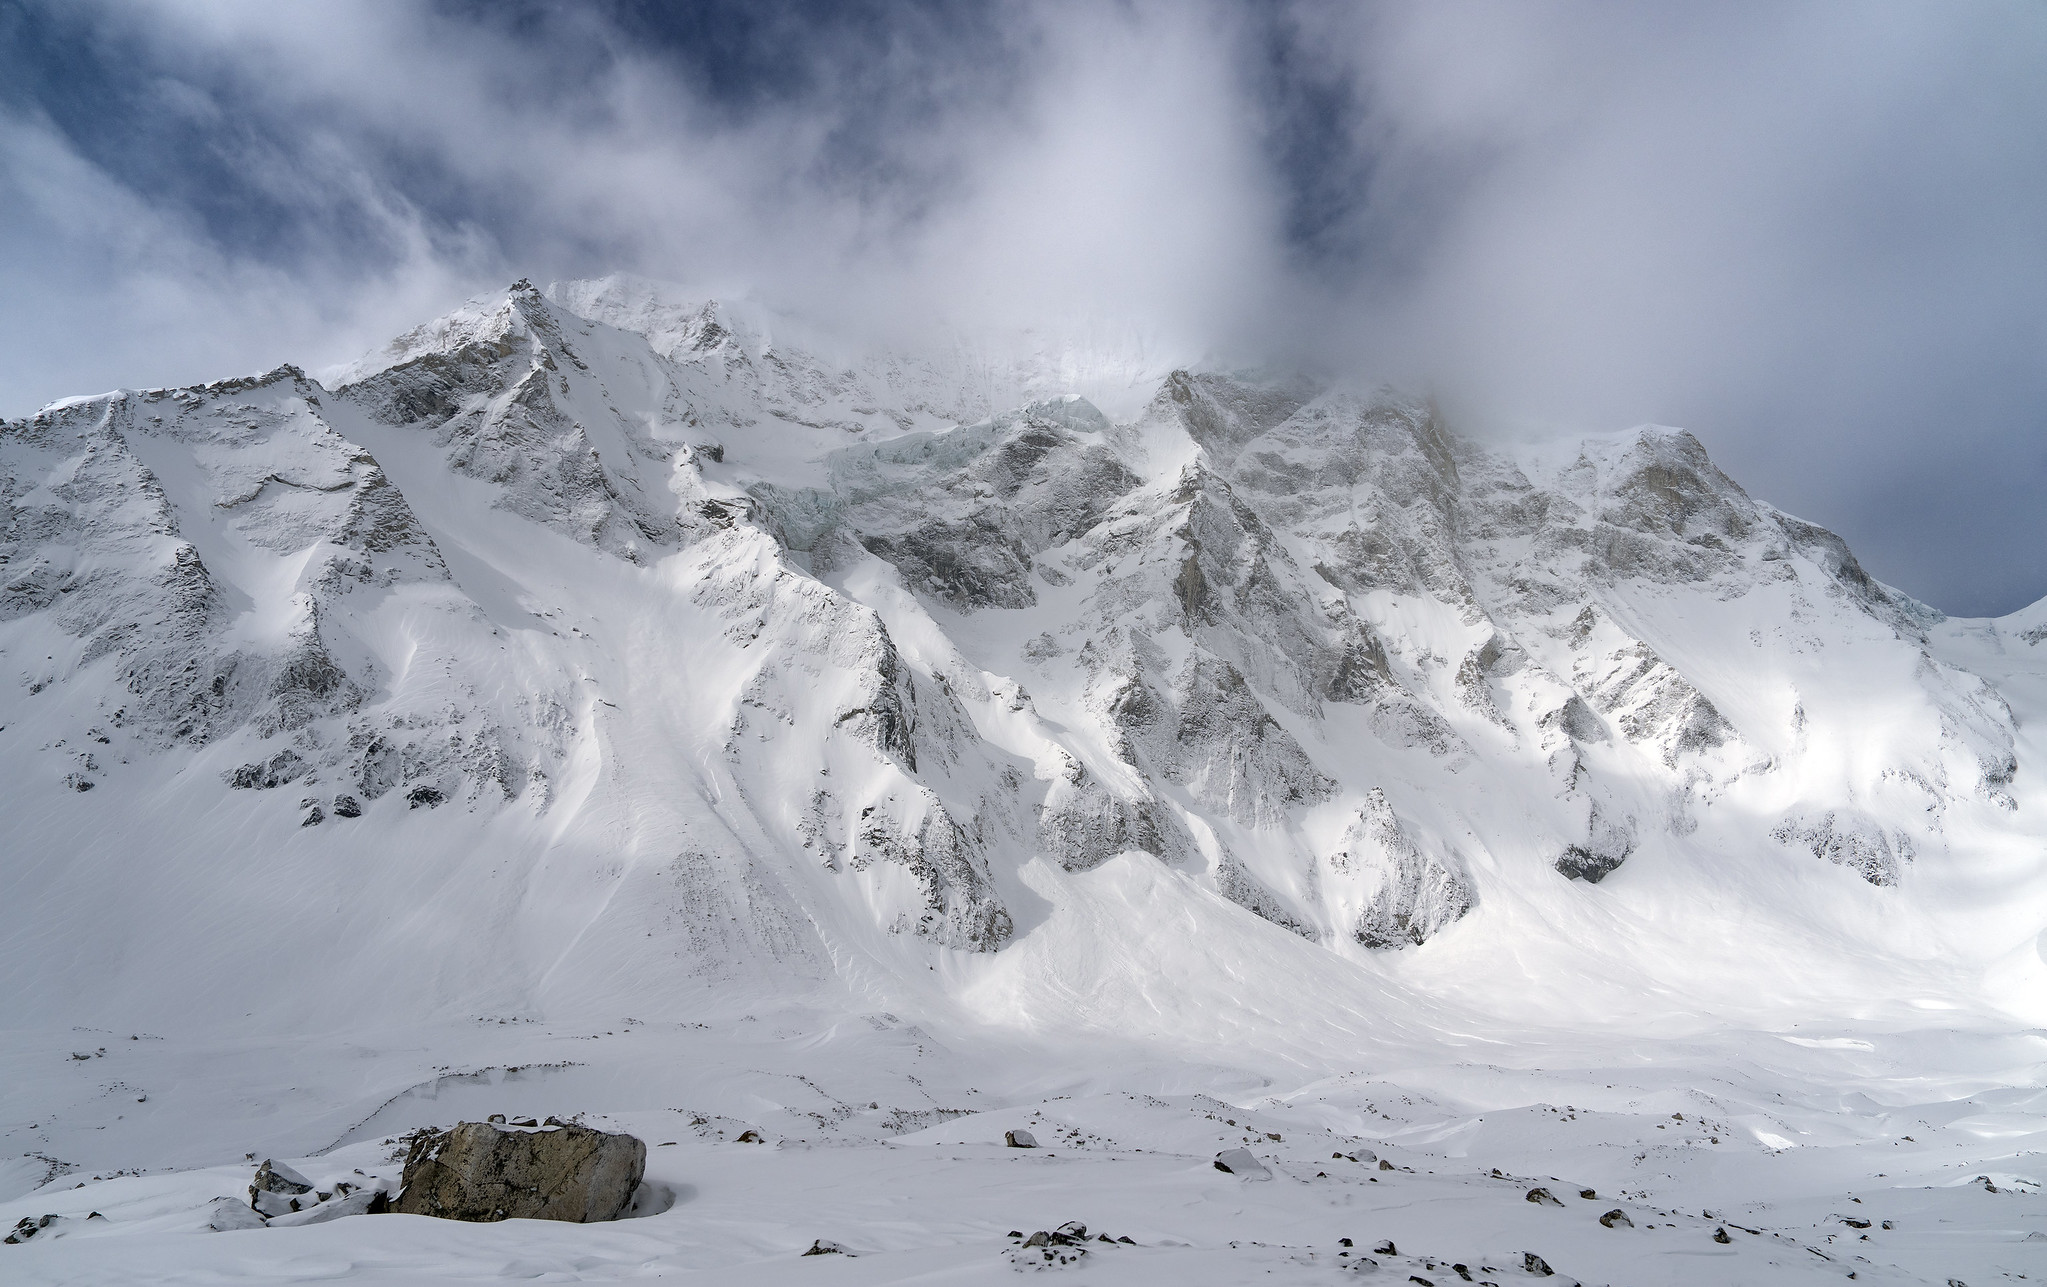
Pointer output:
605, 701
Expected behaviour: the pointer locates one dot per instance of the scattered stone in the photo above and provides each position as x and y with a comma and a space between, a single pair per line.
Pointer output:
1617, 1219
1385, 1165
1052, 1249
314, 818
431, 797
481, 1171
826, 1247
1386, 1248
347, 806
1589, 1195
229, 1214
360, 1202
1544, 1197
1854, 1223
1241, 1161
1984, 1180
1720, 1235
277, 1190
1534, 1264
28, 1227
751, 1137
1019, 1139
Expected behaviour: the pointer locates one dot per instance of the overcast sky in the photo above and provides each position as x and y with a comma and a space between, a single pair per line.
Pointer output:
1814, 234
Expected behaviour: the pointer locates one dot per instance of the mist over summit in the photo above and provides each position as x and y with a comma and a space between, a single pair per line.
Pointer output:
1184, 643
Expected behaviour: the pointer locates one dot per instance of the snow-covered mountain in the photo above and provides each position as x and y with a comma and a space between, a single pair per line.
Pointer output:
589, 653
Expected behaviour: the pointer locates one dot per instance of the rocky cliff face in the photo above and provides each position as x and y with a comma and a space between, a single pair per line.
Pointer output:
779, 654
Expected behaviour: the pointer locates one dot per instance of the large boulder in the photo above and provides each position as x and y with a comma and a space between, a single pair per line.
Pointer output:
483, 1171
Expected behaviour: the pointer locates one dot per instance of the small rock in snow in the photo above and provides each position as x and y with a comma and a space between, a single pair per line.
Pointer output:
1535, 1264
229, 1214
1241, 1161
1617, 1219
1544, 1197
826, 1247
1019, 1139
361, 1202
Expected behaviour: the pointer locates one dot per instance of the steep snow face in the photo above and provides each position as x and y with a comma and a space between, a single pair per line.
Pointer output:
583, 640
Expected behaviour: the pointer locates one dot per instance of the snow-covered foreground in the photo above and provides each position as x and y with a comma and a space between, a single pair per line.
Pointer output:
887, 1137
592, 707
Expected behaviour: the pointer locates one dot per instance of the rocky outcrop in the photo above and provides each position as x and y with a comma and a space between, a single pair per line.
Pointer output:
1847, 841
1407, 893
1083, 824
505, 395
1607, 844
482, 1171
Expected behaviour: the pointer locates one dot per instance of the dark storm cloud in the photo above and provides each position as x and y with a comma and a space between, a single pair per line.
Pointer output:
1815, 234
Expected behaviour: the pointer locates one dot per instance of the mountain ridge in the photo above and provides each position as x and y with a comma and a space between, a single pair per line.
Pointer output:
870, 643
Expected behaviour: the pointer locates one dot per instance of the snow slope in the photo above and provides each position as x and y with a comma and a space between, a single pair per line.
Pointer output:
596, 703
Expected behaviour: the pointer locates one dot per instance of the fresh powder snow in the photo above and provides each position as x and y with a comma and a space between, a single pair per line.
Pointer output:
1341, 846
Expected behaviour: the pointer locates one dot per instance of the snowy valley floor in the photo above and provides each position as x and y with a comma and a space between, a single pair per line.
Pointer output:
887, 1137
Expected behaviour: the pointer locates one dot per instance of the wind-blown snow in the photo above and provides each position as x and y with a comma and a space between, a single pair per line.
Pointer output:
597, 703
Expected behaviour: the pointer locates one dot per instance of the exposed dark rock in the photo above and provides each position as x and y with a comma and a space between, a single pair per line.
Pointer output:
29, 1226
1544, 1197
1857, 844
1534, 1264
347, 806
285, 766
1019, 1139
431, 797
277, 1189
1617, 1219
482, 1172
826, 1247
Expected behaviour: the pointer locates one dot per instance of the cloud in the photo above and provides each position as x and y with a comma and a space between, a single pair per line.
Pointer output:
1814, 235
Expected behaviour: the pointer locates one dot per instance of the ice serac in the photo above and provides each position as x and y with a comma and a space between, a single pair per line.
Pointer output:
681, 649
